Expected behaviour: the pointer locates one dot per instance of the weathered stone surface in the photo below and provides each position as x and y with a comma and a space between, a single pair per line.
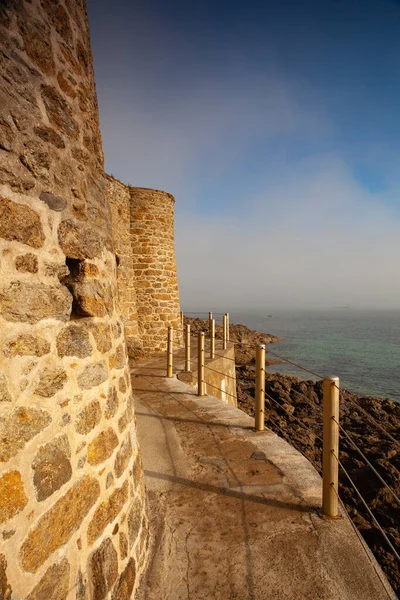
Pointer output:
107, 512
122, 385
26, 345
59, 112
6, 135
12, 495
78, 240
103, 565
56, 203
36, 36
117, 361
109, 480
73, 340
102, 335
18, 427
20, 223
51, 467
126, 582
102, 446
27, 263
54, 584
5, 395
92, 298
51, 381
88, 418
134, 520
5, 587
36, 159
138, 471
92, 376
81, 587
32, 302
111, 404
47, 134
56, 526
58, 17
123, 545
123, 456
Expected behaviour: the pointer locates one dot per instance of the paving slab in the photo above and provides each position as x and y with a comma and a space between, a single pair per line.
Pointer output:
235, 514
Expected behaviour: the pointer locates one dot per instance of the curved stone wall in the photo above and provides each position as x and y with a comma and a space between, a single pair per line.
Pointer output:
72, 511
153, 253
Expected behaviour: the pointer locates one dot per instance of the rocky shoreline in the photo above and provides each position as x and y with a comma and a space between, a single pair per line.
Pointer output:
295, 413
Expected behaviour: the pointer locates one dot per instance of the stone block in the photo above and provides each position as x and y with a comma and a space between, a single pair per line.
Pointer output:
79, 240
111, 403
20, 223
5, 395
102, 446
5, 587
88, 418
107, 512
92, 298
124, 587
102, 335
92, 376
27, 263
134, 520
73, 340
123, 545
12, 495
56, 527
103, 569
123, 456
51, 467
26, 345
33, 302
48, 135
54, 584
19, 427
56, 203
51, 381
59, 112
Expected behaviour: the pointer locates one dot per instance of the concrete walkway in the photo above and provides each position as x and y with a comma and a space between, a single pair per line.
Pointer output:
235, 513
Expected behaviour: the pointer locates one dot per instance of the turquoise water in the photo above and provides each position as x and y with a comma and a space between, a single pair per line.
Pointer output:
362, 347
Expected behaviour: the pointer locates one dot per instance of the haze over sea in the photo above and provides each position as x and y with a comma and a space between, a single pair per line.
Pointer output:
360, 346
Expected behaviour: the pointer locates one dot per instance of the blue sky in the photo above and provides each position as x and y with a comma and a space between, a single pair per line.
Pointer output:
275, 124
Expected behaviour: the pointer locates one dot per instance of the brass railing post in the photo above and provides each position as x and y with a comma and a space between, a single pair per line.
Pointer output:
200, 365
187, 348
330, 475
212, 338
260, 387
224, 340
170, 349
227, 327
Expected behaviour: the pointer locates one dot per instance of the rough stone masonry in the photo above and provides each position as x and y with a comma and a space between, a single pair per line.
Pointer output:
87, 269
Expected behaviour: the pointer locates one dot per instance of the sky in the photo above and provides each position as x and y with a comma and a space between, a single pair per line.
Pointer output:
276, 126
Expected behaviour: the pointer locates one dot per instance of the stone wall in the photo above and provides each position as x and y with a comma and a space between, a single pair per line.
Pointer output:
72, 507
147, 277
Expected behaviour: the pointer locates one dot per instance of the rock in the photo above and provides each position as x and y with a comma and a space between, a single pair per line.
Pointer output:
12, 495
19, 427
54, 584
73, 340
134, 520
5, 587
26, 345
92, 298
27, 263
6, 136
56, 527
5, 395
59, 112
92, 375
79, 240
88, 418
111, 404
20, 223
123, 456
51, 467
103, 567
36, 36
107, 512
56, 203
32, 302
123, 589
51, 381
102, 335
123, 545
118, 360
102, 446
48, 135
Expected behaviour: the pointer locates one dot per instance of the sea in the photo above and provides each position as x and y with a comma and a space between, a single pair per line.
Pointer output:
360, 346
